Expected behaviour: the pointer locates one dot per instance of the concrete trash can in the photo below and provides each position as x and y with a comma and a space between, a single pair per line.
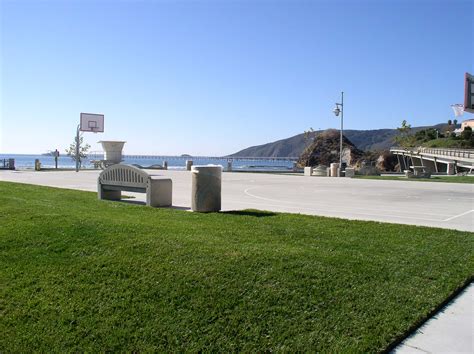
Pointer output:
334, 169
189, 164
206, 188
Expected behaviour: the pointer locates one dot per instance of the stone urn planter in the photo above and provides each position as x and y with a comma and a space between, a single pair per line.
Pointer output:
113, 150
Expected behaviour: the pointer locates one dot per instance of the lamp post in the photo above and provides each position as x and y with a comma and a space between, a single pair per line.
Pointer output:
340, 109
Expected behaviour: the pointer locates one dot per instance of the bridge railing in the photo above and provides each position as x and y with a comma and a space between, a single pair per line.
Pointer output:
464, 153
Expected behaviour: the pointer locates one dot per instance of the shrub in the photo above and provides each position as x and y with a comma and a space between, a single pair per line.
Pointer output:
466, 134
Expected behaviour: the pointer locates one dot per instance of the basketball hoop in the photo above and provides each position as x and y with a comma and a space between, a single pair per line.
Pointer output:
92, 122
458, 109
89, 122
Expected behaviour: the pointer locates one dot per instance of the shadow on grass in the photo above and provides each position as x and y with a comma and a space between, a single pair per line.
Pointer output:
254, 213
130, 201
141, 202
179, 208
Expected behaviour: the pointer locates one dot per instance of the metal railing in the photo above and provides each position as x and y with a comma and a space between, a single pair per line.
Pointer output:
449, 152
460, 153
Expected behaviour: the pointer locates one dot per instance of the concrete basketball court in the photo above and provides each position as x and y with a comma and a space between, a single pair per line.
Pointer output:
445, 205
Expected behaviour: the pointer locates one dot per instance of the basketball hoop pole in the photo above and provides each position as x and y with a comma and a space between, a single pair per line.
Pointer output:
89, 122
77, 147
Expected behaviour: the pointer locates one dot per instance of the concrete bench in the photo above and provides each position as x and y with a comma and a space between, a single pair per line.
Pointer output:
420, 172
349, 172
117, 178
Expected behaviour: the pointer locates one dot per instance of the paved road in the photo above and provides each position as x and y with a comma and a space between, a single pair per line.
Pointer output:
445, 205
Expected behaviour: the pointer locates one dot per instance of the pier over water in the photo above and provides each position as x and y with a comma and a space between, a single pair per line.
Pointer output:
99, 155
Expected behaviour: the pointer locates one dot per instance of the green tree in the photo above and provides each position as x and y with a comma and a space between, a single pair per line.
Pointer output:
405, 128
466, 134
425, 135
83, 149
308, 135
405, 139
450, 122
431, 134
455, 122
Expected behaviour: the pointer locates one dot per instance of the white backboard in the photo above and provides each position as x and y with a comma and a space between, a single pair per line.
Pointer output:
91, 122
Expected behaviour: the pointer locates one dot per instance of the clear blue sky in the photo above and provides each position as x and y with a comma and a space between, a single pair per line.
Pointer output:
213, 77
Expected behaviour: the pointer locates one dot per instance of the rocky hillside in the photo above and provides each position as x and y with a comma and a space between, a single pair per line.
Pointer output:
379, 139
325, 149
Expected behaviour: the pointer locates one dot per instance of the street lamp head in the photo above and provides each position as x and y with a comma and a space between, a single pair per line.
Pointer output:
336, 110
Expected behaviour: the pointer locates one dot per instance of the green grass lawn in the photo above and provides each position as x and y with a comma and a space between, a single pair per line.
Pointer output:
80, 274
445, 179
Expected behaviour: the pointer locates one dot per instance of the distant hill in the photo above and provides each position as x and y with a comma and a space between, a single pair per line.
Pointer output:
379, 139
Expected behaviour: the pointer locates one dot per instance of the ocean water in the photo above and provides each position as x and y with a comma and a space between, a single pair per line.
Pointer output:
174, 162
